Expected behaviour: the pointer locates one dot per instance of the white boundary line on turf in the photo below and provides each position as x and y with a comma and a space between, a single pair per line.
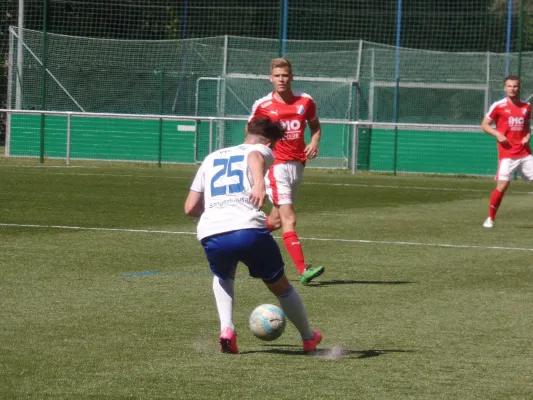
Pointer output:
119, 175
443, 189
82, 228
401, 187
399, 243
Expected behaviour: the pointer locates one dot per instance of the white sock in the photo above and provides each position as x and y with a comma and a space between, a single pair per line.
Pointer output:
293, 307
224, 295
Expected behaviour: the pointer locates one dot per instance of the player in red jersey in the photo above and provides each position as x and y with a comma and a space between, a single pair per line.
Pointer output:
293, 111
513, 132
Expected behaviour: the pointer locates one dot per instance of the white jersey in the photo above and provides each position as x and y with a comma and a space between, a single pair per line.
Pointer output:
223, 179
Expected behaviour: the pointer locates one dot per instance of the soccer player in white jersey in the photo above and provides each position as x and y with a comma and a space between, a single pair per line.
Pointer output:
512, 118
227, 194
293, 110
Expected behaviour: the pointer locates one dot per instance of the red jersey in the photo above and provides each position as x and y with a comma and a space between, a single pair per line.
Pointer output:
293, 116
513, 121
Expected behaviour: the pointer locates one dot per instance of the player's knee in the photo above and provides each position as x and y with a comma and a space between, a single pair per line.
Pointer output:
287, 214
502, 186
289, 220
280, 287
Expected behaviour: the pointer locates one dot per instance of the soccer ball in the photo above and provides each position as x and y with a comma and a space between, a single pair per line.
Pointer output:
267, 322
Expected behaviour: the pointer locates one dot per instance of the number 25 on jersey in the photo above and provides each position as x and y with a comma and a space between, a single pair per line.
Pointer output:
227, 169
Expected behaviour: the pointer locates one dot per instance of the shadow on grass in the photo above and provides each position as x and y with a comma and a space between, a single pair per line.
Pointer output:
355, 282
335, 353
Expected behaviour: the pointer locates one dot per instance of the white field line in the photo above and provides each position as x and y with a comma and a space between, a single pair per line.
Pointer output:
305, 182
387, 242
443, 189
120, 175
82, 228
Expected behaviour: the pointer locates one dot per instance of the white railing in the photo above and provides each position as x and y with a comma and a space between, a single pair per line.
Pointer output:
350, 155
211, 120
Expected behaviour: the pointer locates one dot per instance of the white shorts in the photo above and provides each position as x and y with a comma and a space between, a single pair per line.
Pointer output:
507, 167
283, 182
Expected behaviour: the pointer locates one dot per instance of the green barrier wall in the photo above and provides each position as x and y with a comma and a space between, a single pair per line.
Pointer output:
105, 139
334, 146
188, 142
428, 152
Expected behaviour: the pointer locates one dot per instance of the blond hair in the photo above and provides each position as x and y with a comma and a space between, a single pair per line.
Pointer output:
280, 63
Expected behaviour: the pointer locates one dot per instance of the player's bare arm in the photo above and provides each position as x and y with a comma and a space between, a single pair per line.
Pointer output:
311, 150
527, 138
194, 205
487, 127
256, 165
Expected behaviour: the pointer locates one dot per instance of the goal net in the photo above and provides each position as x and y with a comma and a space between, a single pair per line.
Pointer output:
223, 76
234, 95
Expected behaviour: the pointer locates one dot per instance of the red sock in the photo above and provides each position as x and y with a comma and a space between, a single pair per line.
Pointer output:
495, 201
269, 227
293, 246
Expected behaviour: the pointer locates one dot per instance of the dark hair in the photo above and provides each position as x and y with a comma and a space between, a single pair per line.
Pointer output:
265, 127
511, 78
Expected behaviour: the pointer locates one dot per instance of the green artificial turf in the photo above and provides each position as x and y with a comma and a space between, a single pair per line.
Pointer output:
106, 293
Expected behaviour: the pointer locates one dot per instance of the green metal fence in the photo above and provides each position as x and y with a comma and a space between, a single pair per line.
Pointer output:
409, 148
